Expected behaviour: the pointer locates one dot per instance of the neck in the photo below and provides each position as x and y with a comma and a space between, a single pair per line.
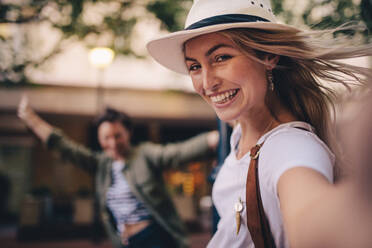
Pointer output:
258, 124
119, 157
252, 131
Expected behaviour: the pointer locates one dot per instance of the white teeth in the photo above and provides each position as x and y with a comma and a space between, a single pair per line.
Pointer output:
223, 97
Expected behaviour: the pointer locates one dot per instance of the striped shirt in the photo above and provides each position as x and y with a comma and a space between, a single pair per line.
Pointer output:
125, 207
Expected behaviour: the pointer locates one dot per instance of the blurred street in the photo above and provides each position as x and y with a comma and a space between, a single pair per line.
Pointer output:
8, 240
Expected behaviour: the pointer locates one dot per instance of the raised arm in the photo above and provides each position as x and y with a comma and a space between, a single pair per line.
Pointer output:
41, 128
69, 150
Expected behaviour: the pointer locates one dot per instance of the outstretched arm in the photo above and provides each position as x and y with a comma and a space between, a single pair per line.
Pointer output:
55, 140
319, 214
176, 154
40, 127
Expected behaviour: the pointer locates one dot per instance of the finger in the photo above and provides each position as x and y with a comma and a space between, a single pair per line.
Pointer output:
24, 100
23, 106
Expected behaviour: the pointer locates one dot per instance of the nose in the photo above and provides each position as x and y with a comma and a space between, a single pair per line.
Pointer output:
210, 80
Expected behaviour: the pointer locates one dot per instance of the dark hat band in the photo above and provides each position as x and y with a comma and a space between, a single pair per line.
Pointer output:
224, 19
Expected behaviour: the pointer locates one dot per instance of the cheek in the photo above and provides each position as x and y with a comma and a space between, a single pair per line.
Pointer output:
252, 80
198, 86
103, 144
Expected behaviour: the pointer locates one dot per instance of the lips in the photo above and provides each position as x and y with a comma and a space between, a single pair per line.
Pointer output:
223, 97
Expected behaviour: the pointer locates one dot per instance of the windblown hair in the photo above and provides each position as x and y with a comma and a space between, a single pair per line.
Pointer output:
307, 68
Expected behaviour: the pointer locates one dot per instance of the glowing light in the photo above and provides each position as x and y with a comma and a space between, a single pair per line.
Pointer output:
188, 184
101, 57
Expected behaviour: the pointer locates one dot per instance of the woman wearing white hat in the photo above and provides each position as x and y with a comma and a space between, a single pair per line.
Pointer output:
267, 77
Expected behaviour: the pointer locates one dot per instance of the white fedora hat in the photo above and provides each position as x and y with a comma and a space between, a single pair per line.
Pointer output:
207, 16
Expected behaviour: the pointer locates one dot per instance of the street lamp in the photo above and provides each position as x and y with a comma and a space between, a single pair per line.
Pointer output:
100, 58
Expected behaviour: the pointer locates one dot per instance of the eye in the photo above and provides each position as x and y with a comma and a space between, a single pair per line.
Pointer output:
194, 67
221, 58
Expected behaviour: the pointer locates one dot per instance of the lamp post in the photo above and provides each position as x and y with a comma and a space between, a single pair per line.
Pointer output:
100, 58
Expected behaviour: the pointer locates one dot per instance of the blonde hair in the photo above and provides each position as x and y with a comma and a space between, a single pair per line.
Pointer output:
307, 61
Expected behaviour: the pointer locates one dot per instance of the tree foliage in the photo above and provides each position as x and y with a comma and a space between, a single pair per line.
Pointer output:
112, 23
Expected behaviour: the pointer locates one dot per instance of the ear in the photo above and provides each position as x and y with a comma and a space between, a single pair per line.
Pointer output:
271, 60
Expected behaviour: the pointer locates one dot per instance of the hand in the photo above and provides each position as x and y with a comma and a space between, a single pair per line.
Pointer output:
25, 112
213, 139
37, 125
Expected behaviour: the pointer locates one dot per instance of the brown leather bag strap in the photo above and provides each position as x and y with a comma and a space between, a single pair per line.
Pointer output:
257, 222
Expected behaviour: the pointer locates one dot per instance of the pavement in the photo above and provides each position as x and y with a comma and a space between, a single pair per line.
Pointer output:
8, 240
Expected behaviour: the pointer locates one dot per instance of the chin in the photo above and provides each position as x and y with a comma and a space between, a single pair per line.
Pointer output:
227, 117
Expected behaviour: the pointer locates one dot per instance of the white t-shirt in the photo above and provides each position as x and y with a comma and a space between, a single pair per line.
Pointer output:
285, 147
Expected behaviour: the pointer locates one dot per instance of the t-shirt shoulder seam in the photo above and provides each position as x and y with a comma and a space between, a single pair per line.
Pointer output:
304, 133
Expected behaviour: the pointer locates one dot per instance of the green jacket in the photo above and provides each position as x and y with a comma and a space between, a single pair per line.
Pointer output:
143, 171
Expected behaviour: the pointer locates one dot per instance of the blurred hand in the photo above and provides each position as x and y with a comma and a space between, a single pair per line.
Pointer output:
41, 128
25, 112
213, 139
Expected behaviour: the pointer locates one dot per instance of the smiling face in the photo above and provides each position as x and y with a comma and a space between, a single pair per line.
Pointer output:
232, 83
114, 139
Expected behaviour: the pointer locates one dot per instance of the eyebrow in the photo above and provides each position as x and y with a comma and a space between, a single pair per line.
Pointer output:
211, 50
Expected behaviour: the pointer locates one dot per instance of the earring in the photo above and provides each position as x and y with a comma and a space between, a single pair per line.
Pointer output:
270, 79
